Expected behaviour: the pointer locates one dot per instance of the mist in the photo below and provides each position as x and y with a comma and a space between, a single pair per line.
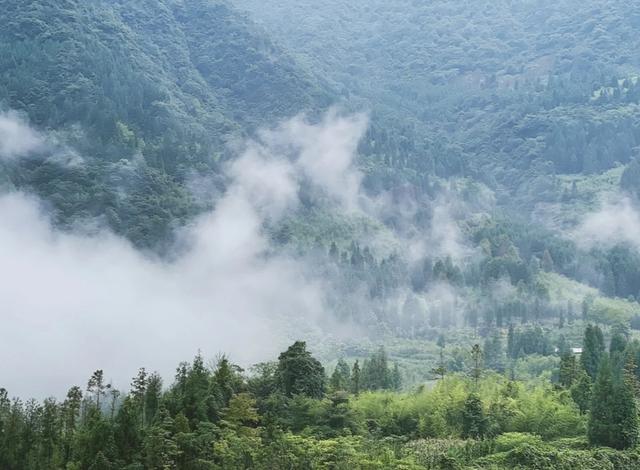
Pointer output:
616, 221
17, 138
73, 303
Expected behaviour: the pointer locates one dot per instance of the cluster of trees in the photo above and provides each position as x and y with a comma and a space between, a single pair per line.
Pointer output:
288, 414
208, 418
604, 384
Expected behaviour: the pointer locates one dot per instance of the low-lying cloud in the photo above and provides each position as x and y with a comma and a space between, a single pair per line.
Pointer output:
73, 303
616, 221
17, 138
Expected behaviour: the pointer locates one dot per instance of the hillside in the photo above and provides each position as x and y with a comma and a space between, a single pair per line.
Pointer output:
508, 92
169, 81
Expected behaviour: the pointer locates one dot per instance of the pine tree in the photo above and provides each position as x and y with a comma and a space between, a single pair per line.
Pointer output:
568, 370
441, 369
152, 397
341, 377
396, 377
547, 261
476, 354
97, 387
625, 413
138, 389
355, 378
581, 391
592, 350
70, 414
511, 352
600, 429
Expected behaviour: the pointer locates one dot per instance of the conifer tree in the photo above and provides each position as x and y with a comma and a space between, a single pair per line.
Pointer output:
356, 378
476, 354
568, 370
341, 377
601, 429
581, 391
592, 350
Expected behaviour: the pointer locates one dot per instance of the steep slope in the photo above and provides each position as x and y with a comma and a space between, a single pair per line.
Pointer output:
508, 92
164, 81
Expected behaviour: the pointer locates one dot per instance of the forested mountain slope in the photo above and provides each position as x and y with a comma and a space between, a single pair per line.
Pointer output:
170, 81
503, 91
440, 197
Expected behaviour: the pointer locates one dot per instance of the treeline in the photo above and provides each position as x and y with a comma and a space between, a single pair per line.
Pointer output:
208, 418
289, 414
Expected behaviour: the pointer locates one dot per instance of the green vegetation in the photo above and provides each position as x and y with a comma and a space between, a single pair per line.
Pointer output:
288, 414
485, 334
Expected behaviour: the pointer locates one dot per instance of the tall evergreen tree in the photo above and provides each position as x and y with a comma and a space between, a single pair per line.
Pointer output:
341, 377
592, 350
613, 419
356, 378
581, 391
476, 372
601, 429
568, 370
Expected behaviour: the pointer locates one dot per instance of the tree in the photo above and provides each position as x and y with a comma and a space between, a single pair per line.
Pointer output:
375, 371
600, 429
547, 261
226, 379
474, 423
476, 354
441, 369
160, 449
70, 413
97, 387
625, 413
511, 352
613, 419
197, 390
101, 462
115, 394
355, 378
396, 377
128, 432
138, 390
592, 350
568, 370
152, 397
493, 358
581, 391
341, 377
241, 414
299, 372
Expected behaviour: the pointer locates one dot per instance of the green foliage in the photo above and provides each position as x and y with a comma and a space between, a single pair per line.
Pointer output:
474, 423
592, 350
299, 373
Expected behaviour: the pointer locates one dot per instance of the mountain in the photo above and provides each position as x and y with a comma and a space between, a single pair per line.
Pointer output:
169, 81
510, 93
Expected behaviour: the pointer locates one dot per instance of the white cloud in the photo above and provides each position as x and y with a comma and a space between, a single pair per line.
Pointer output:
17, 138
616, 221
72, 303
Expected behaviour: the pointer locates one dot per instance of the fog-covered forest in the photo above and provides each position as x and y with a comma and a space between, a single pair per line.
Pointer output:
384, 234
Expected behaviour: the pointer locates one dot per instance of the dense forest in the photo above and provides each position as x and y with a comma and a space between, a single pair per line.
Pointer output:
440, 198
290, 414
